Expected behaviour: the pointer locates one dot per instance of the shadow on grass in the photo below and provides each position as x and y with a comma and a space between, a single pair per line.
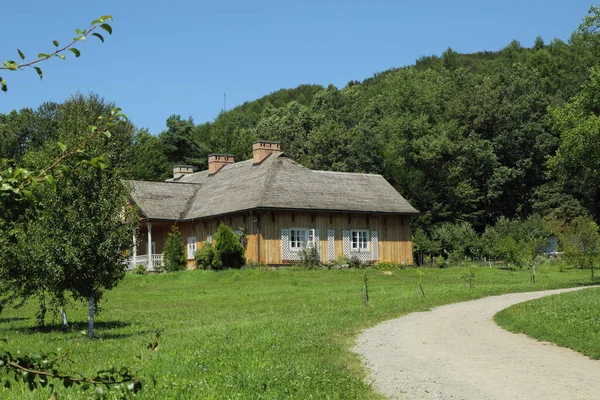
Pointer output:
111, 336
587, 282
76, 326
13, 319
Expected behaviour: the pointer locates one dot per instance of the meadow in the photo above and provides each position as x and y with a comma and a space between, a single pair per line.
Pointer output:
569, 319
260, 334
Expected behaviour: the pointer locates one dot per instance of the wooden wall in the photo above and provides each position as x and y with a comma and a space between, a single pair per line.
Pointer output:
395, 234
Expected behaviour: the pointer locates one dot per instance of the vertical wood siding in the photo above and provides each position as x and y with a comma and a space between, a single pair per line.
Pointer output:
394, 233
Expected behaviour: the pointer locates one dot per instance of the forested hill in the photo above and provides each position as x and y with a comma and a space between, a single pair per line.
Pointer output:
464, 137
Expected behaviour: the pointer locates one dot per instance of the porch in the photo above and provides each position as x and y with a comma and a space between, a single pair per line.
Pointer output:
148, 243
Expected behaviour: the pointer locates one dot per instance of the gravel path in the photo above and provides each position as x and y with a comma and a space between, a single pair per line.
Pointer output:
458, 352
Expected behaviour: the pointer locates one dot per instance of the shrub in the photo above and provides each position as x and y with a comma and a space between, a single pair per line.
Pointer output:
140, 269
309, 258
229, 253
174, 254
205, 257
440, 262
354, 262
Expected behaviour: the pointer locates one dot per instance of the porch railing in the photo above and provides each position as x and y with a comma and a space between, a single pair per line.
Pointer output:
157, 262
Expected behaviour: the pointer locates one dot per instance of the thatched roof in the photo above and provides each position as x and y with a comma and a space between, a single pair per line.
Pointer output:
275, 183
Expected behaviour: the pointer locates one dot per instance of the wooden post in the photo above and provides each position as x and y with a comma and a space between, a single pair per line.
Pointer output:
149, 265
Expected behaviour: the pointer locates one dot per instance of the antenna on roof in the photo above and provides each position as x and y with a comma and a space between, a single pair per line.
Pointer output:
225, 110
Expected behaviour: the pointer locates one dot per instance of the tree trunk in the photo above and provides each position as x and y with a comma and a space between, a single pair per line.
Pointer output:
91, 306
63, 319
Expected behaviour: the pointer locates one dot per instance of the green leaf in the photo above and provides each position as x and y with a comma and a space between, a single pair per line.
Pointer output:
68, 382
21, 54
106, 17
99, 36
97, 21
39, 71
107, 28
12, 65
54, 42
60, 56
43, 55
50, 179
75, 51
3, 84
62, 146
107, 134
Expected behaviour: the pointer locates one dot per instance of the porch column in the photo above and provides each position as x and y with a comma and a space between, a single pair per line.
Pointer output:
133, 261
149, 244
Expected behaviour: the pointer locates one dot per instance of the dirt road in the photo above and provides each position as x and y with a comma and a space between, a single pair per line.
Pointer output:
458, 352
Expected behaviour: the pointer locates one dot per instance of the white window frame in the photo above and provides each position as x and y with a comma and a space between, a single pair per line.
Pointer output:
360, 234
191, 247
298, 245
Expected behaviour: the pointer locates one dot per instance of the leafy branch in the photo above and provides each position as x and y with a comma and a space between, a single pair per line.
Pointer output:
42, 370
17, 184
81, 36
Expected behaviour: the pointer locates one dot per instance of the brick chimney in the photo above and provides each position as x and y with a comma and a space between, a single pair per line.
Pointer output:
218, 161
181, 170
262, 149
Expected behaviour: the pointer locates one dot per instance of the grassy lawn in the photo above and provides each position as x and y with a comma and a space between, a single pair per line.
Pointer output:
569, 320
254, 334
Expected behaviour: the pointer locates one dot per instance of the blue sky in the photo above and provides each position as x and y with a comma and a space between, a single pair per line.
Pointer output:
179, 57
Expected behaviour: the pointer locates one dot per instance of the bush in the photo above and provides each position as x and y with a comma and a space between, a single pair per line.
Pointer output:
205, 257
309, 258
440, 262
355, 262
140, 269
229, 253
174, 254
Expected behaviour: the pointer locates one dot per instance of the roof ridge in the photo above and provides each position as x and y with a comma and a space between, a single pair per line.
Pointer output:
267, 181
345, 172
190, 201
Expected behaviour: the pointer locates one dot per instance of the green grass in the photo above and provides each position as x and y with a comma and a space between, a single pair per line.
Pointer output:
254, 334
568, 319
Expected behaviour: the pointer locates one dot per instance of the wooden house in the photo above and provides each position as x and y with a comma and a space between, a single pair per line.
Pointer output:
279, 207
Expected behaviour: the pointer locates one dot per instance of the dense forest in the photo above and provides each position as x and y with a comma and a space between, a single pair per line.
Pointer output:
464, 137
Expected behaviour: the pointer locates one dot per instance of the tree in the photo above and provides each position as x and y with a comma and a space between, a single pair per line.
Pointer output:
174, 253
149, 161
182, 145
229, 253
19, 197
576, 164
580, 243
